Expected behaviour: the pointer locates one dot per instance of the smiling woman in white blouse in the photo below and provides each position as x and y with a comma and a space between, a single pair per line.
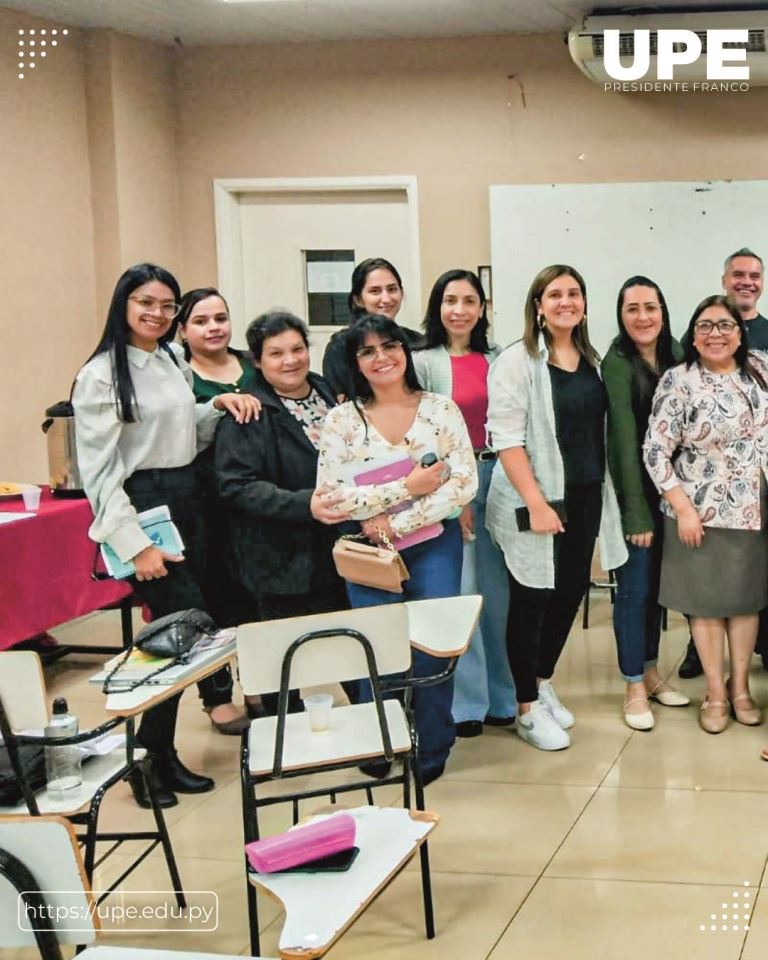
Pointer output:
138, 430
392, 419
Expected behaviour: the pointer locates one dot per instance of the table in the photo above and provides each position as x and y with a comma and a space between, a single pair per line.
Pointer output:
46, 564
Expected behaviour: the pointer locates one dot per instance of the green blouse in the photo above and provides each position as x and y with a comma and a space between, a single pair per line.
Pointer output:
206, 390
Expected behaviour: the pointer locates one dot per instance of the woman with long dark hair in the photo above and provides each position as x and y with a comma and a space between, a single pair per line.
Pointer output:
205, 330
706, 453
376, 289
643, 350
455, 363
391, 419
550, 493
138, 430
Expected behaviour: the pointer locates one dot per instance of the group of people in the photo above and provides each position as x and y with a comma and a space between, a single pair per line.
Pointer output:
511, 464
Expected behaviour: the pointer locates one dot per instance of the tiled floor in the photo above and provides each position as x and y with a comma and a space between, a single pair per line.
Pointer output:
627, 845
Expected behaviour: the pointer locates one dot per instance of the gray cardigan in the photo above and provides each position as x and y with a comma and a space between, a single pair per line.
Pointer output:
433, 368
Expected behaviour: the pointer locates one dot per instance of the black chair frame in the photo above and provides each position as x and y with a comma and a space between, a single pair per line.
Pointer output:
89, 819
410, 760
27, 887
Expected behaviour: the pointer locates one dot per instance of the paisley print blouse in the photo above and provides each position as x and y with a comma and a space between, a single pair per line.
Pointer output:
350, 443
708, 432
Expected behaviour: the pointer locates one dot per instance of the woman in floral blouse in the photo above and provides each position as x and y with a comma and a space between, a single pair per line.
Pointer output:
705, 451
389, 419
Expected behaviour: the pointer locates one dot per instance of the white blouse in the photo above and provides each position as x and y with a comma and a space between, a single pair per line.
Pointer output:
169, 430
350, 443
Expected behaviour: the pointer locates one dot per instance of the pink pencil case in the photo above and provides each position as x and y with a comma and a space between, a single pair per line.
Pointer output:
303, 844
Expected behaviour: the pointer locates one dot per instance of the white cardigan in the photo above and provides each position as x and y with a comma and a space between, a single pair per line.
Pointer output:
521, 414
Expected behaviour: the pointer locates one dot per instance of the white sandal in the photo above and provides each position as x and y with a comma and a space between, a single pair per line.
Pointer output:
668, 698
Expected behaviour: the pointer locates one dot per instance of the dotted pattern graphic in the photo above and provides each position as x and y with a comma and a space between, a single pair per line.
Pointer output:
740, 909
34, 44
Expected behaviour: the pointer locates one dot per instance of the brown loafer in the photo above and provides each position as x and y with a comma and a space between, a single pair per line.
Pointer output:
230, 728
713, 717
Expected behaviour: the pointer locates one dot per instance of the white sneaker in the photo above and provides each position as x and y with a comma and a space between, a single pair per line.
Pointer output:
539, 729
562, 716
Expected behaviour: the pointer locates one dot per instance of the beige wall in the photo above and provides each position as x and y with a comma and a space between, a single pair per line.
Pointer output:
46, 235
111, 149
88, 175
446, 111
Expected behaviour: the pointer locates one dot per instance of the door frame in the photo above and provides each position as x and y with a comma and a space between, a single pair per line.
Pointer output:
229, 250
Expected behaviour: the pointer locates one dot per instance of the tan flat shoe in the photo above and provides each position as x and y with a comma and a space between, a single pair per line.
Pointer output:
713, 717
749, 714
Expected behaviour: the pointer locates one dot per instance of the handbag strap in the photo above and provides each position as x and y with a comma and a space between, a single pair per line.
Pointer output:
133, 684
385, 541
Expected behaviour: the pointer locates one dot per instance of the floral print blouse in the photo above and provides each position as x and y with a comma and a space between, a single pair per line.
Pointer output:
708, 432
350, 444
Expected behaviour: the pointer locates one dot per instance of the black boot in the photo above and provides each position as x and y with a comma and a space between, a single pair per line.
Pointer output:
690, 667
165, 797
174, 775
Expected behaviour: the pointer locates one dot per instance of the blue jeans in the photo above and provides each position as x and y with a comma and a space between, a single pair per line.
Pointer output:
435, 569
483, 681
636, 612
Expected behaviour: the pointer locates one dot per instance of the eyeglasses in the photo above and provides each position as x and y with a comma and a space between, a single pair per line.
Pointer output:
726, 327
168, 308
387, 349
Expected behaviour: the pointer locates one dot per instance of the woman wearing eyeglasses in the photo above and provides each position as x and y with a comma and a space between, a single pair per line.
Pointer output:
389, 419
138, 430
455, 363
705, 450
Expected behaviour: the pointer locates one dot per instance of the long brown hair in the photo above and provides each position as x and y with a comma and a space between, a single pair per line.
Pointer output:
580, 334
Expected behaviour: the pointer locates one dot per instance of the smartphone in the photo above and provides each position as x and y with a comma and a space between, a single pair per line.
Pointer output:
523, 516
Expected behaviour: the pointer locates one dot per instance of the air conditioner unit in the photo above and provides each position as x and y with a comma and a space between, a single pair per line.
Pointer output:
586, 43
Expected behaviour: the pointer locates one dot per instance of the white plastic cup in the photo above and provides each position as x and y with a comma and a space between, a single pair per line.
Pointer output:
31, 497
318, 707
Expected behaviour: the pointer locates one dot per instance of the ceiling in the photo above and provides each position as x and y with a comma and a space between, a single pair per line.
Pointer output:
202, 22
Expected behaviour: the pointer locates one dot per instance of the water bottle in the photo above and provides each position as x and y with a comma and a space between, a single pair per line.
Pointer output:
62, 763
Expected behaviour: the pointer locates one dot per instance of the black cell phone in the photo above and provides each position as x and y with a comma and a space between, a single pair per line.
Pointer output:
336, 863
523, 515
428, 459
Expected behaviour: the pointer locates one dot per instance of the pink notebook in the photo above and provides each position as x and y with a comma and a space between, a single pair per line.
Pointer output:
302, 845
396, 470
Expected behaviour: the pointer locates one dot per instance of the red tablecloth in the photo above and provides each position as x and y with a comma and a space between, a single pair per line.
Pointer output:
45, 569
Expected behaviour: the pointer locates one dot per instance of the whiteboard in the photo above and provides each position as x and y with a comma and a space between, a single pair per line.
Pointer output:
677, 234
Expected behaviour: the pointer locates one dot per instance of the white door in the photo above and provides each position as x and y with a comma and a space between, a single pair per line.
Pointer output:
266, 229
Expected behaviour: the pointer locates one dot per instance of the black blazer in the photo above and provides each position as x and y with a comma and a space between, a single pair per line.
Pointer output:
265, 474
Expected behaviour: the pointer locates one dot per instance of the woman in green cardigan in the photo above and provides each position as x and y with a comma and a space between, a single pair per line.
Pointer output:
640, 354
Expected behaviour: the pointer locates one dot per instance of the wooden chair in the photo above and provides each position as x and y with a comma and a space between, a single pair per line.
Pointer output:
23, 706
45, 896
371, 643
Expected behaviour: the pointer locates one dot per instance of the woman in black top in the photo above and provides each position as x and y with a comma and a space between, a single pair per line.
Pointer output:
282, 529
376, 289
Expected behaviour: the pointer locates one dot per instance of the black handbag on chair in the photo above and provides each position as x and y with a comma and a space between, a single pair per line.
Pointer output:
172, 636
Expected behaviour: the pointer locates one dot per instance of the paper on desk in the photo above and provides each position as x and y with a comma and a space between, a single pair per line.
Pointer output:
12, 517
96, 747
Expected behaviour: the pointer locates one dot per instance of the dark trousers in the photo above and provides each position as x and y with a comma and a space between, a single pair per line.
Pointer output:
178, 489
540, 619
435, 569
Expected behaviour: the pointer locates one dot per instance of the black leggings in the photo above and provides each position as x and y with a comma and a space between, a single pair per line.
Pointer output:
177, 488
540, 619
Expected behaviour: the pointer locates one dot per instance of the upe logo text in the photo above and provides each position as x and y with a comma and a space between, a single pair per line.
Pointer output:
676, 48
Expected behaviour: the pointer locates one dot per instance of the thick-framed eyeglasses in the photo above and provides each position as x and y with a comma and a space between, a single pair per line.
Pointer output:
168, 308
725, 327
386, 349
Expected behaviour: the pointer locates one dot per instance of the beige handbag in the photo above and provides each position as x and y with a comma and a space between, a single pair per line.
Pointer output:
380, 567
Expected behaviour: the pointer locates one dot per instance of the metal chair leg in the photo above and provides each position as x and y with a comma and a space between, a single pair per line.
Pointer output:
165, 840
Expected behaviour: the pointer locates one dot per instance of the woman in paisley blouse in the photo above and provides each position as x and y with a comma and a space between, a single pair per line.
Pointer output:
391, 418
705, 451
